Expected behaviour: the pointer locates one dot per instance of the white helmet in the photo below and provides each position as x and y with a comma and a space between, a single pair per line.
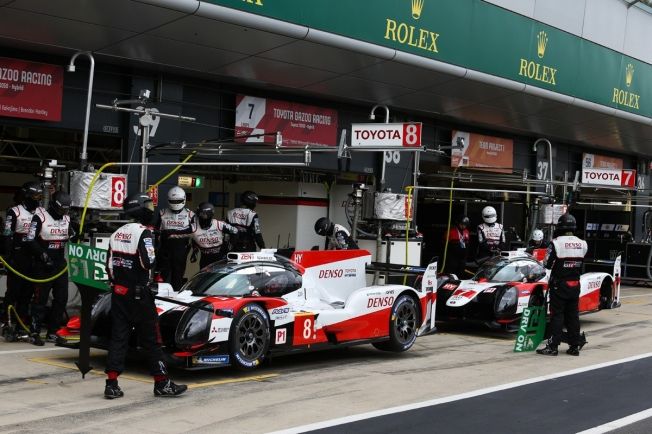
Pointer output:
537, 235
176, 199
489, 214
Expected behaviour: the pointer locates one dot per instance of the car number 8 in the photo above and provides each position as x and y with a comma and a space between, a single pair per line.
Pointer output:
307, 328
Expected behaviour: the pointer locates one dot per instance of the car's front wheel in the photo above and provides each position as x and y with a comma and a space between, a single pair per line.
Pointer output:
403, 325
249, 337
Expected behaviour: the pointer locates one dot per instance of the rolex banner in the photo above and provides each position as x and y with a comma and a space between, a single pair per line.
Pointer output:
531, 329
482, 152
257, 120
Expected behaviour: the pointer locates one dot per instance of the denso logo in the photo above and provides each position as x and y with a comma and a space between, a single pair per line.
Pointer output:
380, 302
58, 231
573, 245
176, 223
330, 274
121, 236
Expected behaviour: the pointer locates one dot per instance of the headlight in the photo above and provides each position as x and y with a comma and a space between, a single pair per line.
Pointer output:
507, 301
194, 326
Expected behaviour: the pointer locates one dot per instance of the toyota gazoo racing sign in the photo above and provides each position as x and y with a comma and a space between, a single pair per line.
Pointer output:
399, 135
610, 177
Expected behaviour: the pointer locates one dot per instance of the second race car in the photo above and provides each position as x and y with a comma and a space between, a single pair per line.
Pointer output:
241, 310
504, 285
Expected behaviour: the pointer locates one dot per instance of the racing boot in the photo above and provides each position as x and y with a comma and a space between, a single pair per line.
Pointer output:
35, 339
112, 390
548, 350
573, 350
583, 340
168, 388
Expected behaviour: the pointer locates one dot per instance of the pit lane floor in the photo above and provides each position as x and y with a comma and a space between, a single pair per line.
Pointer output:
41, 391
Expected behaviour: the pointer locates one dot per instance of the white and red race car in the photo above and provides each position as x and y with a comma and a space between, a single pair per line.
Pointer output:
506, 284
255, 304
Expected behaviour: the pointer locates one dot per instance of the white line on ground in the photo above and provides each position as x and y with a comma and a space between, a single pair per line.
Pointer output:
636, 296
31, 351
619, 423
471, 394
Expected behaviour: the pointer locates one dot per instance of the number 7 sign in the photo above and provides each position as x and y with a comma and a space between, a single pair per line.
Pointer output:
628, 178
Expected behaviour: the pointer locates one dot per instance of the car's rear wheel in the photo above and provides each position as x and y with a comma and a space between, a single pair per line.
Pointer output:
249, 337
606, 294
403, 325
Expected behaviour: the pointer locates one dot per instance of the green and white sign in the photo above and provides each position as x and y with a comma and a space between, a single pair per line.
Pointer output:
531, 329
87, 266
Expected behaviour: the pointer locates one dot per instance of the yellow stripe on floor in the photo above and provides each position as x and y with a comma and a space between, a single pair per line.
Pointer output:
60, 363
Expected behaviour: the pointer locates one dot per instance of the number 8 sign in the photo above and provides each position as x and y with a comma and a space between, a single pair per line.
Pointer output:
118, 191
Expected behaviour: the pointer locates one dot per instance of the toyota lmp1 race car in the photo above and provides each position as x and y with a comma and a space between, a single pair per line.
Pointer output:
241, 310
504, 285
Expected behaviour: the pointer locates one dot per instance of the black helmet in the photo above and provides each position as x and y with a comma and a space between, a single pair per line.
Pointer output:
566, 223
322, 226
463, 220
60, 203
249, 198
32, 193
205, 213
139, 206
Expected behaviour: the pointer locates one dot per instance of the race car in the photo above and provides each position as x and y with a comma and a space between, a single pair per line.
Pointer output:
241, 310
504, 285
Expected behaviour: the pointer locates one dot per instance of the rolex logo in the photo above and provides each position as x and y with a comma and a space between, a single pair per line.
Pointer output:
542, 42
629, 74
417, 7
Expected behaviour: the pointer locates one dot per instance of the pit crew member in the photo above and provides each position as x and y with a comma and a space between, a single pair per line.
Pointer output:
248, 224
208, 235
565, 258
337, 236
130, 260
491, 236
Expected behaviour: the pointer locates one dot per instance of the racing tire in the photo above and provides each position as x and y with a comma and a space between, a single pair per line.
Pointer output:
249, 337
404, 324
606, 294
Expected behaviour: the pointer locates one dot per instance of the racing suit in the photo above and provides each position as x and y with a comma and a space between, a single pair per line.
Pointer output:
19, 291
249, 235
491, 239
340, 239
458, 242
210, 241
47, 238
565, 257
174, 247
534, 245
129, 261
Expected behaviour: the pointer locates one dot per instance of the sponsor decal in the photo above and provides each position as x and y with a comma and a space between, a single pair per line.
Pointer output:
594, 284
490, 290
350, 272
219, 329
121, 236
281, 336
246, 363
380, 302
331, 274
211, 360
450, 286
280, 310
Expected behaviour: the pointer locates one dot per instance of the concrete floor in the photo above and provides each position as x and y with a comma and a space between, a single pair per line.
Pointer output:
42, 391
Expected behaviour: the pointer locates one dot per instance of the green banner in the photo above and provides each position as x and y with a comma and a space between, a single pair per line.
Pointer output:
481, 36
87, 266
531, 329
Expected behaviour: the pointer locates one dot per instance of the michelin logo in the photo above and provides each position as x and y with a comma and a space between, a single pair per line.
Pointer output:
211, 360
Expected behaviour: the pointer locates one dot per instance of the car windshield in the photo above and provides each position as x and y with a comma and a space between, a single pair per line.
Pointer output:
500, 270
231, 280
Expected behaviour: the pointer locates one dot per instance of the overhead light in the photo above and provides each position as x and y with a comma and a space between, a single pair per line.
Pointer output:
615, 203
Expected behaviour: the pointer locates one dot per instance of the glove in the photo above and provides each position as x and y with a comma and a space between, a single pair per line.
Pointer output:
45, 258
193, 257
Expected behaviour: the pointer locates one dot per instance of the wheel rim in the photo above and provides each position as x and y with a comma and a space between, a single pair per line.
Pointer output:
251, 337
406, 322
